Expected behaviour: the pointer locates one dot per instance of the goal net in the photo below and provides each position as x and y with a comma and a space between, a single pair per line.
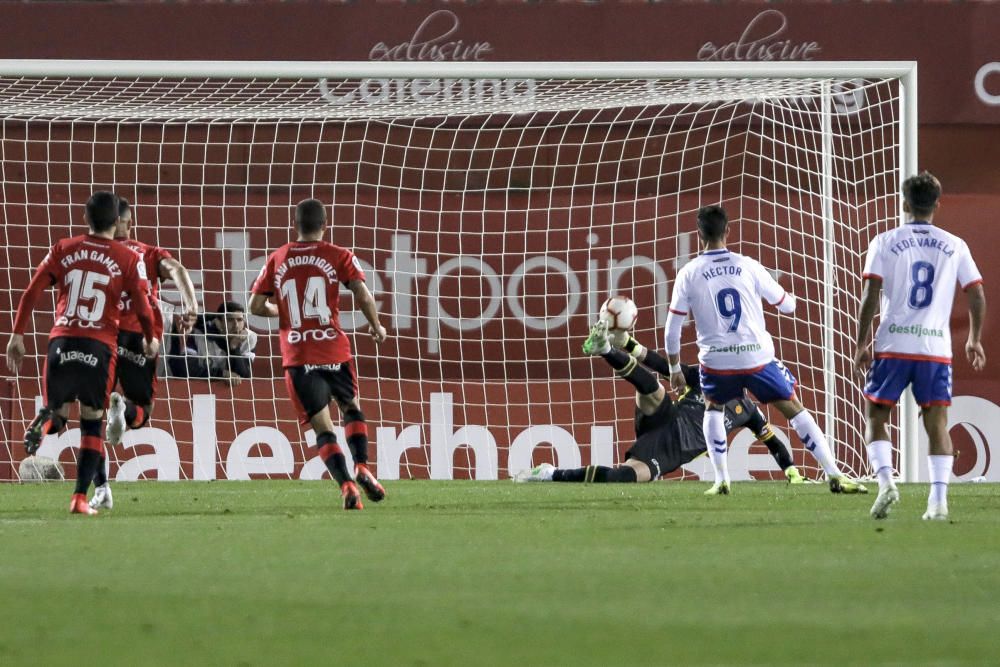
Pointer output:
492, 215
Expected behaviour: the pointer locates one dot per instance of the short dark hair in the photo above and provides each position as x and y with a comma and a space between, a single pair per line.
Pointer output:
227, 307
102, 210
123, 206
921, 193
712, 222
310, 216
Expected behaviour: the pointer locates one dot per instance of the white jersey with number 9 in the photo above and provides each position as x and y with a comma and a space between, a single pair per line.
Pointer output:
723, 290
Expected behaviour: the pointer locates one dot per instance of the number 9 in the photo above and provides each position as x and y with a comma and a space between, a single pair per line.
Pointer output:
728, 301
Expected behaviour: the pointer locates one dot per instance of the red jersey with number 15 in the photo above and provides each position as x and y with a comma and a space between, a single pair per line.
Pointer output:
305, 279
90, 274
151, 257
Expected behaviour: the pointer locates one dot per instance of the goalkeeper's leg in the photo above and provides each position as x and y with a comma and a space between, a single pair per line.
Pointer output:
776, 445
649, 391
629, 471
649, 358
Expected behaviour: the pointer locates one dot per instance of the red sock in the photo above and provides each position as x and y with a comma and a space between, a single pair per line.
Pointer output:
91, 449
333, 457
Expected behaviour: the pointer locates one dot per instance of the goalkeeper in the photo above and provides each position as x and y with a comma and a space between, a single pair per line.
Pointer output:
668, 433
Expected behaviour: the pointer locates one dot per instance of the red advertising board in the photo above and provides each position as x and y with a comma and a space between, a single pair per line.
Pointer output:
959, 66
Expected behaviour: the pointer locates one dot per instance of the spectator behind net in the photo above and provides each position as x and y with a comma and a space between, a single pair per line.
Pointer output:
219, 347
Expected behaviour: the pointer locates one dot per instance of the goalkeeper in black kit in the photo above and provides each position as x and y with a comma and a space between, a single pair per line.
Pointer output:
668, 433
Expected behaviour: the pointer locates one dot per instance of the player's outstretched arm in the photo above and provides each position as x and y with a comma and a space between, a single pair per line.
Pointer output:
977, 314
260, 306
367, 305
866, 314
42, 279
173, 270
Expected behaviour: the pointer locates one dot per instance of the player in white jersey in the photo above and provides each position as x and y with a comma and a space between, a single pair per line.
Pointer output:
722, 290
915, 267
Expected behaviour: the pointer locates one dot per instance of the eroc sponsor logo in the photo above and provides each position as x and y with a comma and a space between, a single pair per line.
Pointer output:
295, 336
985, 72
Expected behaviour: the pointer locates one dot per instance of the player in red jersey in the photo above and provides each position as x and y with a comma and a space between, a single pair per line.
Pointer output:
136, 373
304, 277
90, 273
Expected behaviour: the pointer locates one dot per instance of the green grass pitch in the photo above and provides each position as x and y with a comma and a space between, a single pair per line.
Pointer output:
473, 573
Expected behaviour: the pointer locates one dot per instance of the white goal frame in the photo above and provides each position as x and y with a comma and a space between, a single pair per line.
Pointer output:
903, 71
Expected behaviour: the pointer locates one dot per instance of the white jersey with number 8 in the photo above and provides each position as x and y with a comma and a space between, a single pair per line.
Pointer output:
919, 265
723, 290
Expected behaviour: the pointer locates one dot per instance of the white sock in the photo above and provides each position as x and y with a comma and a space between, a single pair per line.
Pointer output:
880, 456
939, 467
814, 440
714, 426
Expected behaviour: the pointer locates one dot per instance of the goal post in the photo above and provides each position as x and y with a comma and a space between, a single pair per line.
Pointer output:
493, 206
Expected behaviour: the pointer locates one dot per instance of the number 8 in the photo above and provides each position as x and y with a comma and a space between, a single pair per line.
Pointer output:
922, 291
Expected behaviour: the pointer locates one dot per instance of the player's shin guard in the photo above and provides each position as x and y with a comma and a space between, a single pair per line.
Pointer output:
628, 369
880, 457
91, 450
136, 416
939, 466
814, 440
714, 426
333, 457
356, 431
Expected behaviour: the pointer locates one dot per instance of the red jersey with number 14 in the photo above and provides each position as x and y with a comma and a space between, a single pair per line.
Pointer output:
90, 274
305, 278
151, 257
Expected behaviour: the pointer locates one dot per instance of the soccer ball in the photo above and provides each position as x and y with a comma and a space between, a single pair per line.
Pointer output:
620, 313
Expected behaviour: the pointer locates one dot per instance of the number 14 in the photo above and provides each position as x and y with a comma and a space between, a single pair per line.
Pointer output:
313, 301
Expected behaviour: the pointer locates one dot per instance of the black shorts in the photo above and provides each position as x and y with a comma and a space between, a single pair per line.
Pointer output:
661, 450
739, 413
136, 372
79, 369
313, 387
